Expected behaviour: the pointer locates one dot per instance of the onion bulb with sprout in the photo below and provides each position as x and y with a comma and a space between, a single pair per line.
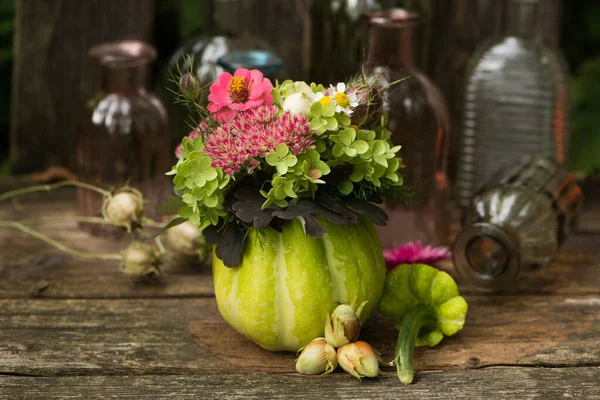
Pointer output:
140, 261
124, 208
185, 243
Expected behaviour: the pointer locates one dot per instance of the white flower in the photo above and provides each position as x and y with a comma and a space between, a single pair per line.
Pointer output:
343, 102
297, 103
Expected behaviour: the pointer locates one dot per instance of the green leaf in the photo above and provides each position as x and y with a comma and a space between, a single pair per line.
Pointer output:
282, 150
328, 110
338, 150
357, 175
378, 148
170, 206
344, 120
331, 123
380, 160
350, 152
360, 146
211, 201
188, 198
315, 123
210, 174
316, 109
290, 160
272, 159
281, 168
347, 136
289, 189
199, 180
345, 187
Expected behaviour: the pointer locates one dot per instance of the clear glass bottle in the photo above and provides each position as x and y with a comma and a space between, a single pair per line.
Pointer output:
516, 221
337, 38
418, 120
123, 137
515, 100
225, 34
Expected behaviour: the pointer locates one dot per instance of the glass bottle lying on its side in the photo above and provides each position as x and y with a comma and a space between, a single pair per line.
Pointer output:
516, 221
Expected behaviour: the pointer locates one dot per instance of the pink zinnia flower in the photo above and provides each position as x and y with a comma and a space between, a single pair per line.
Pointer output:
414, 253
232, 94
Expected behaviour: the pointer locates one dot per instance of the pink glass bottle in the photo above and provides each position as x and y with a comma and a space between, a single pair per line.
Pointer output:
418, 120
123, 137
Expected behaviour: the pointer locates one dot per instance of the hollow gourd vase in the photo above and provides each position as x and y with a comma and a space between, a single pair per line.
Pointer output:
288, 283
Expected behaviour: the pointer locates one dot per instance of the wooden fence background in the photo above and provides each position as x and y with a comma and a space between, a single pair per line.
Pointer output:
52, 75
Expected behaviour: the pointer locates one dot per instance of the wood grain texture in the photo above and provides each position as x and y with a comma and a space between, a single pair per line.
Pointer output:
494, 383
188, 336
52, 75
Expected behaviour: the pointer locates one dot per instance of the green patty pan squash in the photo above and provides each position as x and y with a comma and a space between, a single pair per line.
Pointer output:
288, 283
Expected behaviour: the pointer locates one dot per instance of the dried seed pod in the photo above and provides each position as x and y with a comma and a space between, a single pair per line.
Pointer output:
342, 326
140, 261
317, 357
124, 208
359, 359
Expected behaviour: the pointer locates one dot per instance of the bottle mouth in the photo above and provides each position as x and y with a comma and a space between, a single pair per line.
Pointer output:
487, 257
393, 18
124, 53
265, 61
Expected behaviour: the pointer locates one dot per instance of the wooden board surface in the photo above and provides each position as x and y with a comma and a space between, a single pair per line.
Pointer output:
188, 336
31, 264
494, 383
79, 329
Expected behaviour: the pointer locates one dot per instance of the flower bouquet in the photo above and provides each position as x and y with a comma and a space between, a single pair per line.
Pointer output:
284, 181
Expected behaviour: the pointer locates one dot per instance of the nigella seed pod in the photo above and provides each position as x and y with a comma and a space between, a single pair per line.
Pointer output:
124, 209
359, 359
317, 357
189, 85
140, 262
342, 326
184, 239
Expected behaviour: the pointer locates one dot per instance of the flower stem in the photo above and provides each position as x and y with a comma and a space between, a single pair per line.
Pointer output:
413, 321
39, 188
38, 235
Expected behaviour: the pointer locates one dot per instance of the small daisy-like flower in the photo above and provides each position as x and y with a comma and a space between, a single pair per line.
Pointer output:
344, 102
321, 98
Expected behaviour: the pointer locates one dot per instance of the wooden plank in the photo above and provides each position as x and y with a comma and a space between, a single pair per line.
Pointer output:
494, 383
26, 263
52, 75
188, 336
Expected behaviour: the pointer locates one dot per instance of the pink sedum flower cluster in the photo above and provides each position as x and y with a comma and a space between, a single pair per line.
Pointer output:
253, 134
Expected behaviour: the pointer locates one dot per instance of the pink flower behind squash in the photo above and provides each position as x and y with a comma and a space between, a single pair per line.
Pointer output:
414, 253
244, 89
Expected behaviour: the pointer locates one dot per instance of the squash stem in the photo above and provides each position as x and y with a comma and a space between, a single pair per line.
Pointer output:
413, 321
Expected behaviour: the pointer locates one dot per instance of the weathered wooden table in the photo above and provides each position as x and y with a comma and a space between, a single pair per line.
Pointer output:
78, 329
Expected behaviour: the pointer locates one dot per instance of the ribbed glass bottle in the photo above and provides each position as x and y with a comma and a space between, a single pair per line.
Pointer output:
516, 222
515, 100
418, 120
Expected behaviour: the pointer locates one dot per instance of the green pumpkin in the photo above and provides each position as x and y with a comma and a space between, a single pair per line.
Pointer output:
288, 283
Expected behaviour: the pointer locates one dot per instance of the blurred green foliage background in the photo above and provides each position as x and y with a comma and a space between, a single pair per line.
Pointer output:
177, 20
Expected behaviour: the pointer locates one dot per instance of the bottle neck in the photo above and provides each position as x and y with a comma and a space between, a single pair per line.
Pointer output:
522, 19
226, 17
123, 79
487, 256
391, 45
